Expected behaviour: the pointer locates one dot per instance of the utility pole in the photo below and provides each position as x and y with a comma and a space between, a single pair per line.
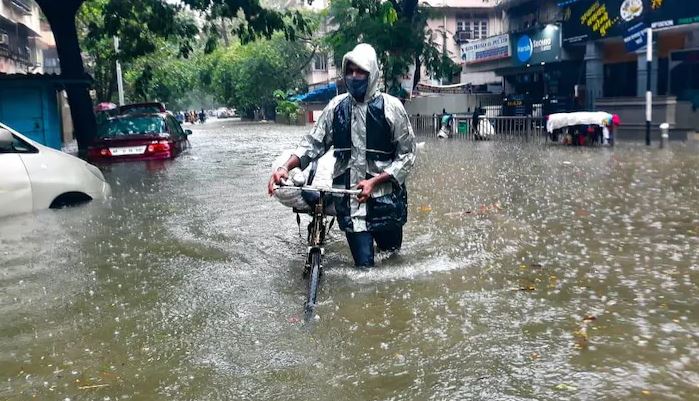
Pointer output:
649, 93
120, 83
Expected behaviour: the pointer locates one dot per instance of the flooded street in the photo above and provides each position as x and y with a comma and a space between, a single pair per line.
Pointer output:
528, 272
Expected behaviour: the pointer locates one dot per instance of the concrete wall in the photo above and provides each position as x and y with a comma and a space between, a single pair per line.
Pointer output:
632, 111
460, 103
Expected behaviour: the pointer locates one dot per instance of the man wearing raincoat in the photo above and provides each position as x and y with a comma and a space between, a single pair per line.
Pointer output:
374, 147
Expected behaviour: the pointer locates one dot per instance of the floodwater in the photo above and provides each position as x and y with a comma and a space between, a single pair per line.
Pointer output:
529, 272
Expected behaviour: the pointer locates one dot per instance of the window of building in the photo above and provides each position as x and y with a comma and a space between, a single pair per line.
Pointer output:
476, 24
320, 62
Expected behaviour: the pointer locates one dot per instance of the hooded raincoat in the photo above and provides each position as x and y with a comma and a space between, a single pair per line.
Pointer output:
389, 147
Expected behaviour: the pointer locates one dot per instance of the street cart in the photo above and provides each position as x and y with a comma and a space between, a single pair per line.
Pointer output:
582, 128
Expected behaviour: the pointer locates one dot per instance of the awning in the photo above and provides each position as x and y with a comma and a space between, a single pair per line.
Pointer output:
321, 94
28, 31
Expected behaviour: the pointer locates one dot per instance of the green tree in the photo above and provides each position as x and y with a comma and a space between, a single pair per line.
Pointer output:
139, 24
246, 76
290, 110
398, 31
94, 22
163, 78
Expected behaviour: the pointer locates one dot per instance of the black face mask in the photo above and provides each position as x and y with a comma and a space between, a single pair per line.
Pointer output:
357, 87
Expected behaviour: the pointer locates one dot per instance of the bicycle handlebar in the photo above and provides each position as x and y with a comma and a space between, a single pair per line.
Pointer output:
319, 189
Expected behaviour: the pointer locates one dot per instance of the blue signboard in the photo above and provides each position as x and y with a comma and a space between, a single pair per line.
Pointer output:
636, 37
537, 46
525, 49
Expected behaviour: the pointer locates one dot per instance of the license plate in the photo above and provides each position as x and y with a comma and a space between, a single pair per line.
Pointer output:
128, 150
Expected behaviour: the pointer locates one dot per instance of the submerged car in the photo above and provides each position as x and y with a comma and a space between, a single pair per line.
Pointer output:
36, 177
151, 136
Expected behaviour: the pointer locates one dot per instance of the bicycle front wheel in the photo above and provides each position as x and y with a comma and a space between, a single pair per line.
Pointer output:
313, 283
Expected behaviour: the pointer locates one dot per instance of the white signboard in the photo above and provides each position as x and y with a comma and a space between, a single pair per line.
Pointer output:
494, 48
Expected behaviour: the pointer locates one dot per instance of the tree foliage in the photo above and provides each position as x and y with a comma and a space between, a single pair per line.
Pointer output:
398, 31
143, 22
246, 76
289, 109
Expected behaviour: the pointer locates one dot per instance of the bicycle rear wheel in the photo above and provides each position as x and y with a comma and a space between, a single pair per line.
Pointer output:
313, 283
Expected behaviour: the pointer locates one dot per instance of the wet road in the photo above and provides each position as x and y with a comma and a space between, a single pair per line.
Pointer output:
528, 273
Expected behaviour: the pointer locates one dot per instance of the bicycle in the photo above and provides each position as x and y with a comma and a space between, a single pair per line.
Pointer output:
316, 240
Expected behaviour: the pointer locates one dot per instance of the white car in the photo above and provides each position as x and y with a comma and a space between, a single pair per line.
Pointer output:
224, 112
36, 177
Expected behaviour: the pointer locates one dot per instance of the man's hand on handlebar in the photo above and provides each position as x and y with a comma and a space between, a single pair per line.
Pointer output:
277, 176
367, 187
282, 173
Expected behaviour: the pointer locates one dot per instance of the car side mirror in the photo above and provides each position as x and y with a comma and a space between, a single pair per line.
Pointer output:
188, 132
6, 140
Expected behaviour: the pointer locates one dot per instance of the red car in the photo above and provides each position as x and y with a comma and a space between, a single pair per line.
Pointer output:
148, 136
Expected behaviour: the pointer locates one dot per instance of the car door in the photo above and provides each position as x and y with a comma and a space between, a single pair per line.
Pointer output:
15, 187
178, 134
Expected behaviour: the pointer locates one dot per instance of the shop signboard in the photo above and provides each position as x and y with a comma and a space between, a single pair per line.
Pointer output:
538, 46
490, 49
636, 37
586, 20
516, 105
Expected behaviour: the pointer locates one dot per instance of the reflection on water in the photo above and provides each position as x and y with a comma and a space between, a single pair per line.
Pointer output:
528, 272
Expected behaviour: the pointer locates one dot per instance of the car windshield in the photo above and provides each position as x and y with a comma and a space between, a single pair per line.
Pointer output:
132, 125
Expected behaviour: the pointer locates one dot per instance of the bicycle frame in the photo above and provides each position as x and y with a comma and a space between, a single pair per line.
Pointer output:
316, 240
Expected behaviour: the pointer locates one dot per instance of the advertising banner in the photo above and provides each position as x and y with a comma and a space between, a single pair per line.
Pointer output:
495, 48
538, 46
596, 19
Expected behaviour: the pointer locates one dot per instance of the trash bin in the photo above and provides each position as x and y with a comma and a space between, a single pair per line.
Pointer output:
463, 127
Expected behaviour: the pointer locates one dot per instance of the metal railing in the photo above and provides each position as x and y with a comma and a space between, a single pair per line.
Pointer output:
424, 125
502, 128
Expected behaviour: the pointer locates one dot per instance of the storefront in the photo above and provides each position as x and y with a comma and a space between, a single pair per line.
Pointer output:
541, 71
533, 65
538, 65
613, 34
530, 62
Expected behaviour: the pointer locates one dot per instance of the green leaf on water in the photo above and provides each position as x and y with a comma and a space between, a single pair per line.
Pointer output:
565, 387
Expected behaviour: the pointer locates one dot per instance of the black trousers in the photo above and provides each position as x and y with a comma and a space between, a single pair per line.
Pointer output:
362, 244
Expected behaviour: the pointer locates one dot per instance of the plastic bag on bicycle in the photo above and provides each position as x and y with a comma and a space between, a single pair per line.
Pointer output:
319, 175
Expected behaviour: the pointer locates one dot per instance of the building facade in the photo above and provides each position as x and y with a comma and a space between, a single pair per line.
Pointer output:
20, 37
583, 53
32, 99
526, 53
460, 22
613, 36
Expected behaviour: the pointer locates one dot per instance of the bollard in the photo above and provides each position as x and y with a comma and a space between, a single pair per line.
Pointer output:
664, 134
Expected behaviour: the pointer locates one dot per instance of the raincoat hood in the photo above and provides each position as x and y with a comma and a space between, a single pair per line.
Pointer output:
364, 56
